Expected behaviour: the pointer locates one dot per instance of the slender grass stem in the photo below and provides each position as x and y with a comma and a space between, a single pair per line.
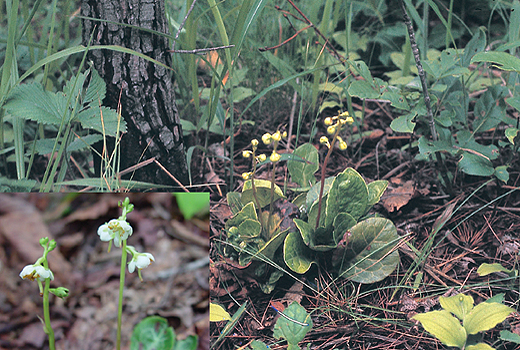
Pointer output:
121, 288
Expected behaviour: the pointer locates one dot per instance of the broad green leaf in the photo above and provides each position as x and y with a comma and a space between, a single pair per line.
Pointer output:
303, 173
375, 191
511, 134
485, 316
189, 343
91, 119
291, 331
479, 346
362, 69
30, 101
296, 254
502, 60
234, 201
258, 345
396, 100
509, 336
192, 203
404, 123
342, 223
473, 164
152, 333
348, 194
475, 45
314, 192
249, 228
270, 247
363, 89
370, 255
247, 212
217, 313
241, 93
263, 192
467, 141
442, 325
459, 305
502, 174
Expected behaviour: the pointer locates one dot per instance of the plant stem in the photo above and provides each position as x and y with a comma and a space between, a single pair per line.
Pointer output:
427, 100
46, 313
121, 287
323, 174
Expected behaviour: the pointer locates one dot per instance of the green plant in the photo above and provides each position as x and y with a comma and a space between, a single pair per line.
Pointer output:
447, 328
120, 230
333, 218
153, 333
40, 272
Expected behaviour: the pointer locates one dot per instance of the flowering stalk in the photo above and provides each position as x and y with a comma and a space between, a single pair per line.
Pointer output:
342, 119
43, 273
119, 230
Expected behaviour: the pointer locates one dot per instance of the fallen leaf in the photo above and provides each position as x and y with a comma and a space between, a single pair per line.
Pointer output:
398, 197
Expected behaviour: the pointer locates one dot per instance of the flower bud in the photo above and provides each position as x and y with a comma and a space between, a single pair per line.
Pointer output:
275, 157
262, 157
246, 154
328, 121
277, 136
44, 241
266, 138
246, 176
254, 142
331, 129
60, 292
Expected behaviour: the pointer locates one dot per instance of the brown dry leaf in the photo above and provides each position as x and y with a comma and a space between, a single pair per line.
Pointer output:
397, 197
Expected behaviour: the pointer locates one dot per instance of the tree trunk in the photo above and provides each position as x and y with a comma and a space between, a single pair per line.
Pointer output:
147, 98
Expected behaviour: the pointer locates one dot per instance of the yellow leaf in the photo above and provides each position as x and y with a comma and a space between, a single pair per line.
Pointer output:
217, 313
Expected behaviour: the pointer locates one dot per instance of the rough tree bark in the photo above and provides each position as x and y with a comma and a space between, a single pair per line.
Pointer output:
147, 99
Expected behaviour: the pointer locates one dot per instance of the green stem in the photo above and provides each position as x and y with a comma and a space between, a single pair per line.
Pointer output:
324, 167
46, 313
121, 287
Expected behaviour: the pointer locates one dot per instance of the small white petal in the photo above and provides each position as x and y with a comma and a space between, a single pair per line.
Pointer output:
27, 271
131, 266
105, 234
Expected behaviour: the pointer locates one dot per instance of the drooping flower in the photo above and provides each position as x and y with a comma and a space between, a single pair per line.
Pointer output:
33, 272
140, 260
115, 229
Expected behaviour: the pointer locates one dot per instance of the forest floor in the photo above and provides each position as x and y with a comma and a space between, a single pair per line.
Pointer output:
175, 286
348, 315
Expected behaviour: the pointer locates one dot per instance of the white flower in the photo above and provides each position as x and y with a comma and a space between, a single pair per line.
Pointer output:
116, 229
33, 272
140, 260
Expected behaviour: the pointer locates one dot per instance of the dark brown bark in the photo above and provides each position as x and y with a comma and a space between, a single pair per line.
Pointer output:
147, 98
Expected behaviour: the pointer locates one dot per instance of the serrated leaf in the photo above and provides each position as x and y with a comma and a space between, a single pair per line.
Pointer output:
96, 89
30, 101
217, 313
370, 254
459, 305
90, 118
485, 316
73, 88
442, 325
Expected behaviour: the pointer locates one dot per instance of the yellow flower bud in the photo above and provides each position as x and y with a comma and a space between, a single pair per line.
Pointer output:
342, 145
331, 129
277, 136
266, 138
343, 115
275, 157
325, 140
246, 154
246, 176
254, 142
284, 135
262, 157
350, 120
328, 121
